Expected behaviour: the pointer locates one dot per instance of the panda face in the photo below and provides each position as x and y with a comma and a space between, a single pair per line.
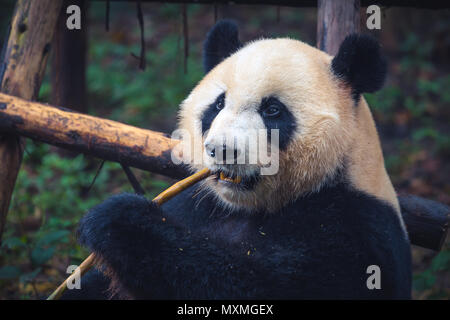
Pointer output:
313, 102
279, 84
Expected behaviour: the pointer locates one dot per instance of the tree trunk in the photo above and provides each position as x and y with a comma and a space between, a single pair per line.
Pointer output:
335, 20
68, 75
21, 72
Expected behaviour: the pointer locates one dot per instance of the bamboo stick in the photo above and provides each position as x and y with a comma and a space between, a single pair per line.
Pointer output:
159, 200
84, 267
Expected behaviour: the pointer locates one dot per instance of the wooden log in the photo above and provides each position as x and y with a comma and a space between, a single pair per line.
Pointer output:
21, 71
335, 20
426, 220
106, 139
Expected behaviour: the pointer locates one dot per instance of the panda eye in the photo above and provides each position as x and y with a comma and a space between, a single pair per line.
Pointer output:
272, 111
220, 103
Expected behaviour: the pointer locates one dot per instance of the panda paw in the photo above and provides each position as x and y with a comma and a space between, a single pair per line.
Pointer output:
119, 225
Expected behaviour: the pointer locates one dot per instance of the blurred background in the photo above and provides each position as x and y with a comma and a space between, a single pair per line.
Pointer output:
54, 190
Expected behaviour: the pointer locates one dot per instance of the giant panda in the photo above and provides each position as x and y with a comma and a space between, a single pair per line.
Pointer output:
313, 230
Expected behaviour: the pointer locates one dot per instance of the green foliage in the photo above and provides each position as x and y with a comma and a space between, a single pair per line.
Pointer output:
9, 272
140, 97
426, 280
30, 276
384, 101
421, 91
393, 163
416, 53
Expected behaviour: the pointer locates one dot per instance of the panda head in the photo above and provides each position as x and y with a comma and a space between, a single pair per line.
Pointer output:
308, 97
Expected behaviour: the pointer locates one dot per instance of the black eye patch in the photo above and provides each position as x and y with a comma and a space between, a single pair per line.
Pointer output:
212, 111
277, 116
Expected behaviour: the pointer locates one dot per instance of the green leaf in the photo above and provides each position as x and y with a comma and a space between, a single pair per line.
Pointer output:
53, 237
425, 133
9, 272
441, 261
27, 277
424, 280
159, 184
13, 243
41, 255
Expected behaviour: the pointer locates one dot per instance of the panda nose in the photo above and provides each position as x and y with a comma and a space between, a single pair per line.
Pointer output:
211, 151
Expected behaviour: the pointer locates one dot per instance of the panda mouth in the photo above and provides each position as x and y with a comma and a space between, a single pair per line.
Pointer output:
230, 179
235, 180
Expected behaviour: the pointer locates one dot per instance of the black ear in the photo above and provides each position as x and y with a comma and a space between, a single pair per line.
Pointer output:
222, 41
360, 63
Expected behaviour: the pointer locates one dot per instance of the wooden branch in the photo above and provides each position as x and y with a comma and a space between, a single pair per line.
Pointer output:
106, 139
133, 180
426, 221
21, 71
335, 20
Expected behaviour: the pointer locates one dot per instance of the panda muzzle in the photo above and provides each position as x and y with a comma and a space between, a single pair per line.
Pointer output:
236, 180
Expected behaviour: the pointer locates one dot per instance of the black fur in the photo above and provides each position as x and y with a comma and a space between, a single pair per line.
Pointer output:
285, 122
360, 63
221, 42
317, 248
211, 112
